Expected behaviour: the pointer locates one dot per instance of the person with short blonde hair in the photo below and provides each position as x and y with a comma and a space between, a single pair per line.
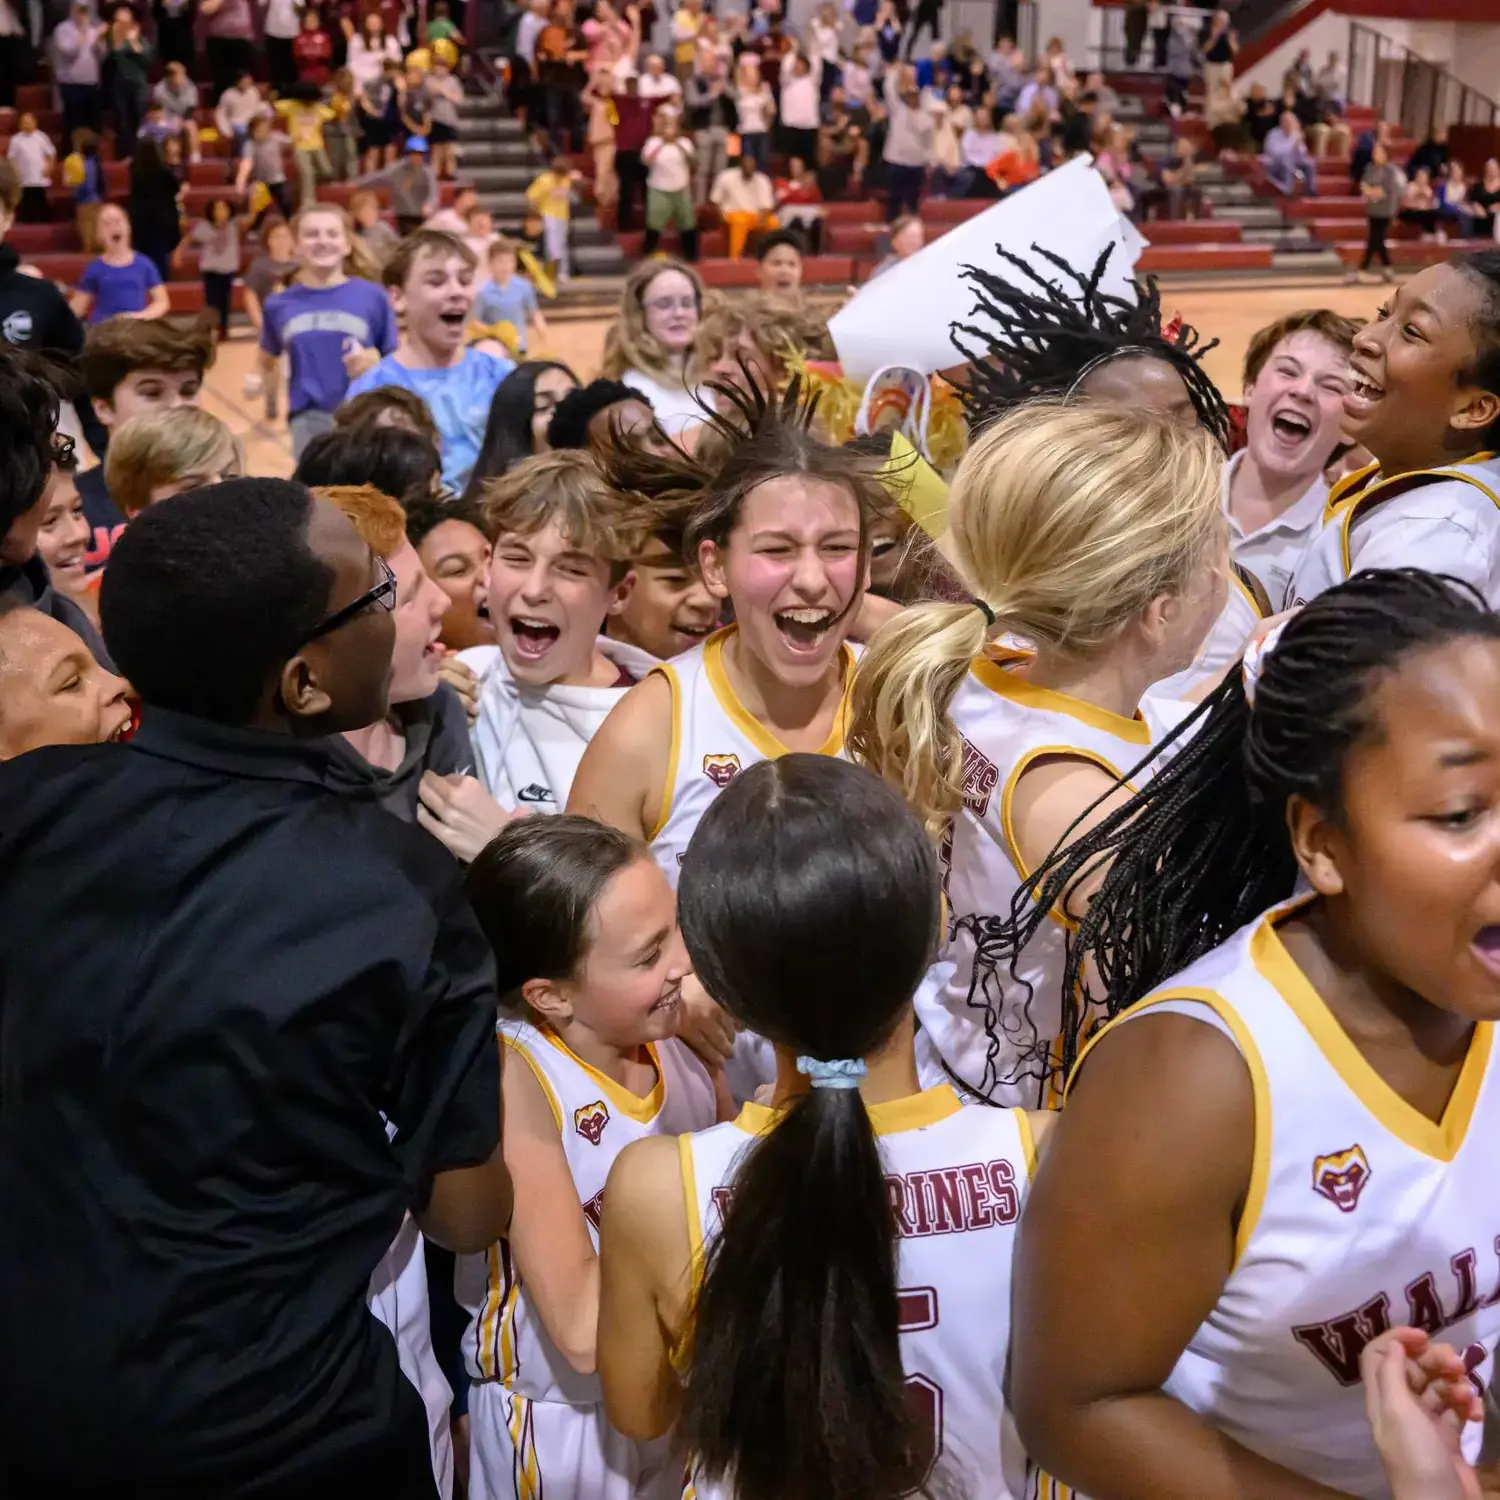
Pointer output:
1094, 534
161, 453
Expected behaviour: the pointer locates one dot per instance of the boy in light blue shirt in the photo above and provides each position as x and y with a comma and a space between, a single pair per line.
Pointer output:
430, 279
508, 297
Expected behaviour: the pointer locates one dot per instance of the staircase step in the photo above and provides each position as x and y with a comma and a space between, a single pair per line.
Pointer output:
498, 153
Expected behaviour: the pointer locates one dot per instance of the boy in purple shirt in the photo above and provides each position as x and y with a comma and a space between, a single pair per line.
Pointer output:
325, 323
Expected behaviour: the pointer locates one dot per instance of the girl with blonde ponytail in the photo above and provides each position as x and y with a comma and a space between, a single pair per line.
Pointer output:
1096, 549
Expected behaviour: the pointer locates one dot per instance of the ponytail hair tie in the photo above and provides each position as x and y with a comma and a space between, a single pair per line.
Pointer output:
839, 1073
985, 610
1254, 661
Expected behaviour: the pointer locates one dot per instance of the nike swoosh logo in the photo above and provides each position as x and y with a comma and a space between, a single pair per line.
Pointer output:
535, 793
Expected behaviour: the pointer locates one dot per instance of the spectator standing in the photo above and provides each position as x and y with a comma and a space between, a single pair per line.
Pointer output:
263, 160
1040, 89
307, 117
746, 201
687, 22
509, 297
13, 48
174, 32
370, 49
1286, 161
75, 68
1136, 18
599, 136
888, 32
522, 85
1224, 114
1220, 44
1181, 63
177, 95
32, 154
126, 60
229, 39
668, 157
612, 41
550, 197
414, 188
322, 322
1381, 189
341, 133
445, 94
659, 86
908, 142
1261, 114
800, 112
237, 106
755, 106
375, 103
926, 17
279, 26
217, 241
773, 48
825, 48
414, 105
843, 154
84, 173
119, 282
312, 50
431, 281
857, 81
155, 204
979, 145
711, 116
1330, 84
632, 131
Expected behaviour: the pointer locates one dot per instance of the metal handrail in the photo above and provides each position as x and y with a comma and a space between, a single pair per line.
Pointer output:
1109, 51
1406, 88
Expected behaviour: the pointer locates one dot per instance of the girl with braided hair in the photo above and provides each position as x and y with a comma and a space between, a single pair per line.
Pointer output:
1286, 1145
1424, 398
1068, 338
1094, 535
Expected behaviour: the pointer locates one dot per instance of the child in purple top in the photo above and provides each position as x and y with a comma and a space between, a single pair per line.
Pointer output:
118, 282
330, 327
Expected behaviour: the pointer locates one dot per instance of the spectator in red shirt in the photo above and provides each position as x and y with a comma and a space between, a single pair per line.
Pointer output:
312, 50
631, 134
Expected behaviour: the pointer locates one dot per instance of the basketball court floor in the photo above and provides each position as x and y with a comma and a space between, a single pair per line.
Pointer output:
1229, 312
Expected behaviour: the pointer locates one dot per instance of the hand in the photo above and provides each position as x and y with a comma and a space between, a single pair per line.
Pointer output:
358, 358
1418, 1398
464, 681
703, 1025
460, 813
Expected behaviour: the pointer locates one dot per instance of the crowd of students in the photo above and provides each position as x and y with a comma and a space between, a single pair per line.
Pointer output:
818, 898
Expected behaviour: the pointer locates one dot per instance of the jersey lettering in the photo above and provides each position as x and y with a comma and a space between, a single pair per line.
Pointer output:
981, 777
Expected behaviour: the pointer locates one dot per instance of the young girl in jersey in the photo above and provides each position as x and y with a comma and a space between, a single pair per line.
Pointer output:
1095, 535
836, 1292
1289, 1144
590, 971
1424, 398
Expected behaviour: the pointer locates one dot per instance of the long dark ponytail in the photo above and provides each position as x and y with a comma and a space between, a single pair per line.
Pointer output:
809, 904
1203, 847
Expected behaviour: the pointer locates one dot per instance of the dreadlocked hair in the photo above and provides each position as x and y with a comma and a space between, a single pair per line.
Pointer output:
1046, 336
1066, 521
1203, 848
686, 499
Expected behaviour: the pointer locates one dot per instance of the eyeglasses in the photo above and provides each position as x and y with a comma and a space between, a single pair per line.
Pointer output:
383, 594
673, 304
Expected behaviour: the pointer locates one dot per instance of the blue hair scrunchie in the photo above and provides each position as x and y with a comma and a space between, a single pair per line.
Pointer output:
839, 1073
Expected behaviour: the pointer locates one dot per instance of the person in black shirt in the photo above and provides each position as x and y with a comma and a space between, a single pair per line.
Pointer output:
248, 1023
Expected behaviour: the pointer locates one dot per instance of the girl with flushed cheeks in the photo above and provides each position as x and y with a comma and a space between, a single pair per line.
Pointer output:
63, 540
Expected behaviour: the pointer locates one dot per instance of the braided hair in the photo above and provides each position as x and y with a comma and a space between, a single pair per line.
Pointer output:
1203, 849
1046, 338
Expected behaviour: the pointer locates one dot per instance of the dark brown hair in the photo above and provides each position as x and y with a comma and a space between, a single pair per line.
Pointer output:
118, 346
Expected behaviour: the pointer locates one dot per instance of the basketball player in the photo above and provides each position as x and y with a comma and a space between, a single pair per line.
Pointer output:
590, 971
1070, 339
1424, 398
1295, 375
1288, 1145
830, 1274
1095, 535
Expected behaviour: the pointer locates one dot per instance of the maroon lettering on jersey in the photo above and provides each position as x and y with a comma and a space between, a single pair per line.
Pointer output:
1339, 1342
898, 1191
981, 776
594, 1209
948, 1201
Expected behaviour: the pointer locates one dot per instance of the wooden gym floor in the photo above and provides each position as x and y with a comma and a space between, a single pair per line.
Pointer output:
1229, 313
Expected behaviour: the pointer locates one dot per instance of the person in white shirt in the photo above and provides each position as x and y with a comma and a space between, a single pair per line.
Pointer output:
744, 196
237, 107
800, 115
1424, 399
650, 345
1296, 373
756, 105
32, 154
660, 86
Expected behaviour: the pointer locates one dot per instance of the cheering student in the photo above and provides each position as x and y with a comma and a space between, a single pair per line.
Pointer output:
52, 690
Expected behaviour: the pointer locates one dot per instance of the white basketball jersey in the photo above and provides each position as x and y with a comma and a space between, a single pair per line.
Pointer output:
1361, 1214
1244, 608
1446, 520
596, 1119
986, 1022
714, 738
958, 1175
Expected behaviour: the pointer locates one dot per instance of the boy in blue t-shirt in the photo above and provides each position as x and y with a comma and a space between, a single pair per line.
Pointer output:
325, 323
431, 281
118, 282
509, 298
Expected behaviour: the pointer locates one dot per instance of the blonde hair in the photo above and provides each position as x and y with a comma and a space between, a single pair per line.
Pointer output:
783, 333
167, 447
629, 345
379, 520
1066, 520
